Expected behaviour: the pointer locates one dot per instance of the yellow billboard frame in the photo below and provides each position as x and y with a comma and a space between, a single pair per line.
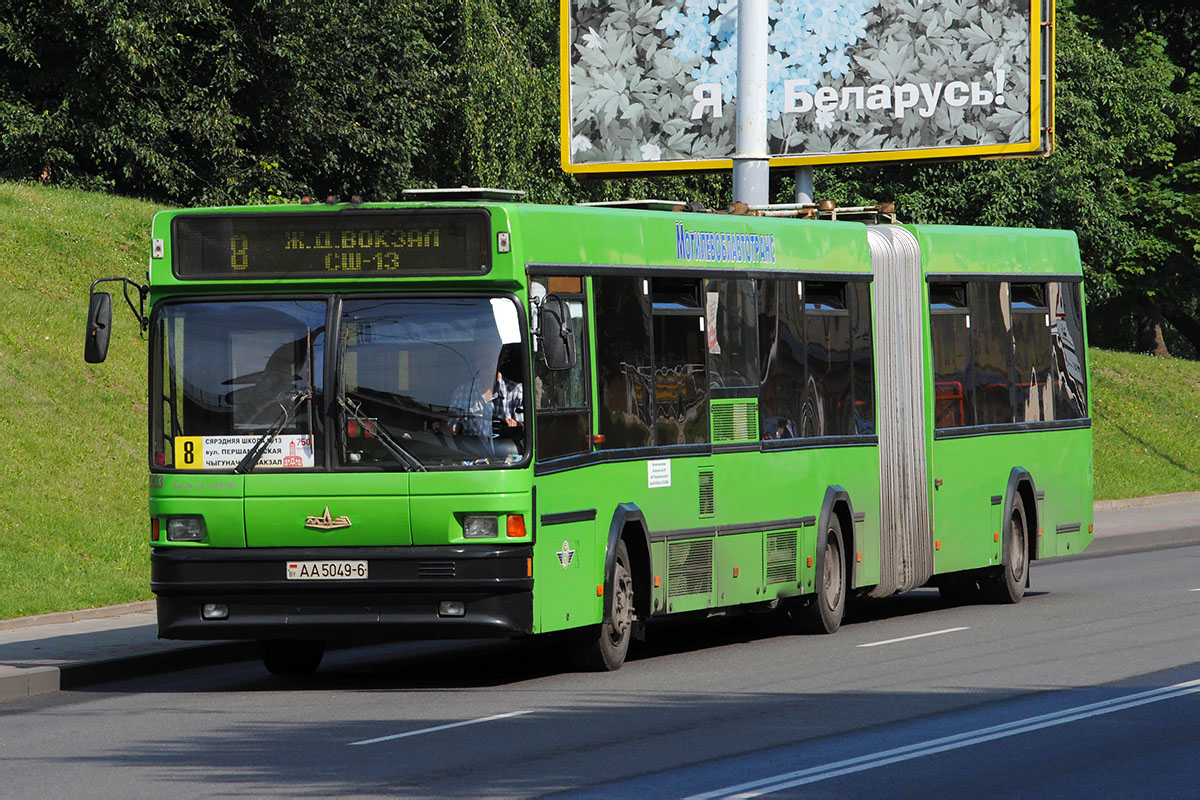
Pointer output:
1041, 38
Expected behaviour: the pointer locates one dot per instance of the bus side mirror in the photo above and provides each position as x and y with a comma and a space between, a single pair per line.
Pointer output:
99, 327
558, 338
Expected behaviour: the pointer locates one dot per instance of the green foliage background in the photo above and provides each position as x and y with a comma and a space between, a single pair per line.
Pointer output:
187, 102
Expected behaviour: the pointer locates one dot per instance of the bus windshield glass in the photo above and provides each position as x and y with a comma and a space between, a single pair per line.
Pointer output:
421, 383
444, 377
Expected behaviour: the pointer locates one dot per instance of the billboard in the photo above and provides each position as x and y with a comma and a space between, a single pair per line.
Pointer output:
651, 85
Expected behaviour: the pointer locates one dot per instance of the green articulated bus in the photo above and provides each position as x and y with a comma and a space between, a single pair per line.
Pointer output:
462, 415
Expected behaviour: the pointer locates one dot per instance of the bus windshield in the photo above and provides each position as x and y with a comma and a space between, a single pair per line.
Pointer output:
417, 383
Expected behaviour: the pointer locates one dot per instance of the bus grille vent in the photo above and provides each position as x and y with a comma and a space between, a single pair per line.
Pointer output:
435, 569
781, 557
708, 505
689, 568
735, 422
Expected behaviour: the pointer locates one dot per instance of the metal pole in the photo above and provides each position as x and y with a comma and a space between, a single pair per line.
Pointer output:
804, 185
751, 164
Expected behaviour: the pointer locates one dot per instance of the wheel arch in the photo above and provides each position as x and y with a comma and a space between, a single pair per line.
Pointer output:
837, 501
1020, 484
629, 523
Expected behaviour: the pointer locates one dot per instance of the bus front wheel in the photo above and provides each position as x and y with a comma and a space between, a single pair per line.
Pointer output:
602, 648
292, 656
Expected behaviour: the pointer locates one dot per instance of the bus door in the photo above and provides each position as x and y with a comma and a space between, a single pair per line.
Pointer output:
568, 553
971, 345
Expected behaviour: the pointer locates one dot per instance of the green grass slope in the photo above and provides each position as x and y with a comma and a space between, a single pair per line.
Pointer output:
1146, 417
73, 525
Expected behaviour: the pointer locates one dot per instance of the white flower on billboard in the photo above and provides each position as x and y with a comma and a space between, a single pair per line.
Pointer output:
593, 40
824, 120
580, 144
651, 152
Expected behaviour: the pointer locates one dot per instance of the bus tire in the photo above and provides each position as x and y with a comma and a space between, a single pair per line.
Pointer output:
824, 611
1007, 584
602, 648
292, 656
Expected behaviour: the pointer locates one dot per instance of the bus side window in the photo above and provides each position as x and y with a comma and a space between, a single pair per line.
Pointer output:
948, 333
827, 330
991, 351
1032, 353
1069, 353
862, 356
781, 360
562, 398
624, 361
731, 334
680, 387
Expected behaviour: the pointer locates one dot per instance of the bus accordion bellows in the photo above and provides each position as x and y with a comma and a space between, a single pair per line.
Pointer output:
463, 415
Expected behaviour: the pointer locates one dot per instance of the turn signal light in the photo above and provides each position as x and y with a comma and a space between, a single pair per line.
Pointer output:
154, 530
516, 526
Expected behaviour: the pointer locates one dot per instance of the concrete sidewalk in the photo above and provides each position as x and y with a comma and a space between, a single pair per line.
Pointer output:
79, 648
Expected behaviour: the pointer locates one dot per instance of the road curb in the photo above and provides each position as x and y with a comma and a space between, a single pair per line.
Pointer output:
18, 682
59, 617
1148, 500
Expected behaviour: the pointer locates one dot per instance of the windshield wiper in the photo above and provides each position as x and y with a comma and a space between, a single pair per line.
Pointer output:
397, 452
289, 402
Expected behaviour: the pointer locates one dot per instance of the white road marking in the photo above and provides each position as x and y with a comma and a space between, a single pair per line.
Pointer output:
790, 780
1194, 590
440, 728
915, 636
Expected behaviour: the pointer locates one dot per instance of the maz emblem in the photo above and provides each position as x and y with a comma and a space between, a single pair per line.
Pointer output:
327, 523
565, 555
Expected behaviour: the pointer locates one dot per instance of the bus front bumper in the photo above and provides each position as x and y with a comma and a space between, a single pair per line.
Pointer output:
487, 590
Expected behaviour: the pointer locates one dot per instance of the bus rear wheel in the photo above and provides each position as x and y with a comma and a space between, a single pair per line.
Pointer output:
602, 648
1007, 584
824, 612
292, 656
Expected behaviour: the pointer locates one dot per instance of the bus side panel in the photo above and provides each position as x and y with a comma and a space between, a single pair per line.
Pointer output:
1064, 474
696, 548
974, 471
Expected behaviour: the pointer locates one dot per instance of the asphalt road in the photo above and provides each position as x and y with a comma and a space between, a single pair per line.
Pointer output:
1089, 687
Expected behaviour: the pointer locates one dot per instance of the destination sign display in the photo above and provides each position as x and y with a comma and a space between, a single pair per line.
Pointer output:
369, 244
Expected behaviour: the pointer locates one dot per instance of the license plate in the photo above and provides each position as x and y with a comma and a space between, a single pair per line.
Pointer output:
326, 570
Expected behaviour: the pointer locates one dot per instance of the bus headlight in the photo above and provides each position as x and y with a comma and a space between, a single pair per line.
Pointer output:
185, 529
480, 526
